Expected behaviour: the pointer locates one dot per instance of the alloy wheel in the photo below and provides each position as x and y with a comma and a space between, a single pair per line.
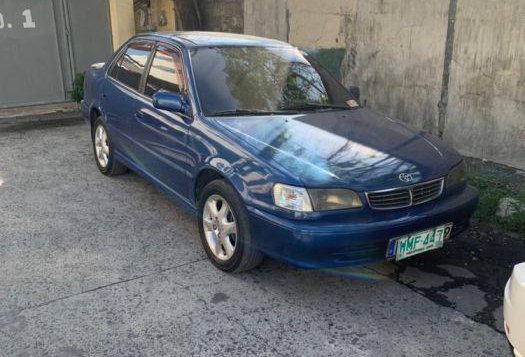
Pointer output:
101, 146
220, 227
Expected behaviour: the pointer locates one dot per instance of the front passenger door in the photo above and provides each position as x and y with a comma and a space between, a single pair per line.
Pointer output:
164, 134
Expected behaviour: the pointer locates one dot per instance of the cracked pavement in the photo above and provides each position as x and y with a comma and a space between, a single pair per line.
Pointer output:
97, 266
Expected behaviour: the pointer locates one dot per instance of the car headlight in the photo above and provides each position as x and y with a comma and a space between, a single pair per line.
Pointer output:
303, 200
292, 198
457, 175
332, 199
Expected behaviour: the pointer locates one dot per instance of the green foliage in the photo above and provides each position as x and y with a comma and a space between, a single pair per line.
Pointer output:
330, 58
491, 191
77, 94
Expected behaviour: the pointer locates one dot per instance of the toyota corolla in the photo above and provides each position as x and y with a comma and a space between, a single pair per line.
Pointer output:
271, 153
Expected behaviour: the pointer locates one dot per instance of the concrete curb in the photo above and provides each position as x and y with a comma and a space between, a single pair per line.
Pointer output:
39, 117
40, 122
38, 110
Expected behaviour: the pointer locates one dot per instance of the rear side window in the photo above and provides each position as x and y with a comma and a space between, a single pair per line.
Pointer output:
113, 70
166, 72
128, 69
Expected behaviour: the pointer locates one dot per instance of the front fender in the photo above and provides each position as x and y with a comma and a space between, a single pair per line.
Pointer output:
216, 149
250, 179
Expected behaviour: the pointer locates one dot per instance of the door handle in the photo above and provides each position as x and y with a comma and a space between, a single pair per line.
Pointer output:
139, 114
163, 128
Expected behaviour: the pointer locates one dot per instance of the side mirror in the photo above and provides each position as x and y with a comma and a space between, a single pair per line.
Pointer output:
354, 92
173, 102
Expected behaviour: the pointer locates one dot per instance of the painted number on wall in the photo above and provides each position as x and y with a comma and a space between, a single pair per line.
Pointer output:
27, 24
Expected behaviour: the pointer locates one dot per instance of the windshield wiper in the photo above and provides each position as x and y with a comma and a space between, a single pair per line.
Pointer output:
250, 112
316, 106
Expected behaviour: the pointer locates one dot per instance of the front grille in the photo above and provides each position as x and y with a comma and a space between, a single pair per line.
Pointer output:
405, 196
426, 191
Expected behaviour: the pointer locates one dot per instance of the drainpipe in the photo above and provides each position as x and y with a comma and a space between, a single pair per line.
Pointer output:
449, 49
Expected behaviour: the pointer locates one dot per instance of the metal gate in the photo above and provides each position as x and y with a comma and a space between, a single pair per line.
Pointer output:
30, 70
43, 43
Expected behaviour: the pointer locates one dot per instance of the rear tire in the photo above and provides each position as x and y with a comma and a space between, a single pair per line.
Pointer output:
103, 150
224, 229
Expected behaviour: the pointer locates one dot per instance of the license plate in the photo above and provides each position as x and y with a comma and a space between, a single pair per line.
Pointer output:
416, 243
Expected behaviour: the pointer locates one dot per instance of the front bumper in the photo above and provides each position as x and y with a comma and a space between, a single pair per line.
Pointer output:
514, 310
318, 244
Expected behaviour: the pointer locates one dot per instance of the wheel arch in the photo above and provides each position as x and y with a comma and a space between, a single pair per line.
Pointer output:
210, 173
204, 177
94, 113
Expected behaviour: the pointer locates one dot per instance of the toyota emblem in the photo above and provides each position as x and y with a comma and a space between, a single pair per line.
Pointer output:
405, 177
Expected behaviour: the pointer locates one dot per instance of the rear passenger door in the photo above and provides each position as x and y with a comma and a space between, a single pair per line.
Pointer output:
164, 133
121, 95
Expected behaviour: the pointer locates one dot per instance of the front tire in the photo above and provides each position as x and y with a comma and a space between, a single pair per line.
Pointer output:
224, 229
103, 150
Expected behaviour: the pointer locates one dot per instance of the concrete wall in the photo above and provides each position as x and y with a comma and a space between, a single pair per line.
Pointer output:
322, 30
222, 15
396, 51
486, 110
305, 23
122, 21
319, 24
267, 18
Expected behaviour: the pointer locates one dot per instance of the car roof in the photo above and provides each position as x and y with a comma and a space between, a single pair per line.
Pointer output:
191, 39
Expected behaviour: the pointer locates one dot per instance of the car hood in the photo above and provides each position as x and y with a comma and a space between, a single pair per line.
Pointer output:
359, 149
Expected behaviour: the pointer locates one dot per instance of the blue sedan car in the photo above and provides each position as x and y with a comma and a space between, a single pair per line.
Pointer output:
271, 153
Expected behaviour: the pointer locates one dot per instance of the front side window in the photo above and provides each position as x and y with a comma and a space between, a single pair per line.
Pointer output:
166, 72
263, 79
128, 69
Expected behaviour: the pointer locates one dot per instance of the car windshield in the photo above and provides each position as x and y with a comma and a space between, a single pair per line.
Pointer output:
261, 80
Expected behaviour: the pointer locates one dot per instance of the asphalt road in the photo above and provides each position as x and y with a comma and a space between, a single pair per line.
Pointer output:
97, 266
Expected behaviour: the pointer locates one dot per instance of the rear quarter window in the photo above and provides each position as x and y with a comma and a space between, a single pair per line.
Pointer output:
129, 67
